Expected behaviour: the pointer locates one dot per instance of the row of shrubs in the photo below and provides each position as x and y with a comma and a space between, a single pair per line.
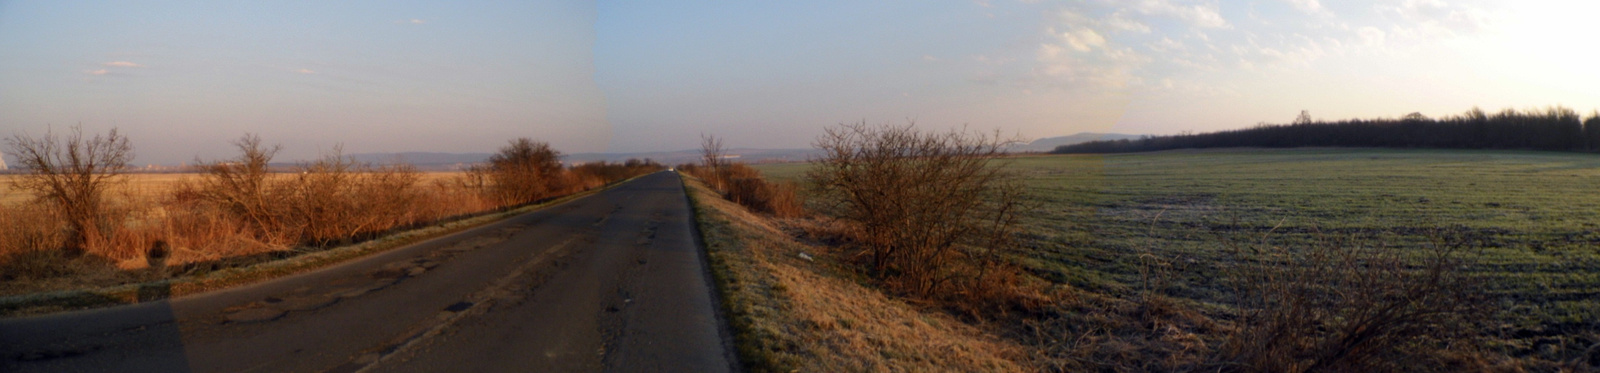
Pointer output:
243, 206
744, 185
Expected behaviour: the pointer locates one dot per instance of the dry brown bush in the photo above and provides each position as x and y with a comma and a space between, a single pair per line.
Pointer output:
523, 171
244, 189
743, 184
596, 174
73, 175
1340, 305
928, 211
337, 199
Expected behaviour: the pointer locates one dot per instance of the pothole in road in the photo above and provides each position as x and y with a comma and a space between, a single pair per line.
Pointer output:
310, 303
459, 306
256, 314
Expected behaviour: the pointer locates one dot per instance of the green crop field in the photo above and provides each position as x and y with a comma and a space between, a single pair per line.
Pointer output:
1532, 219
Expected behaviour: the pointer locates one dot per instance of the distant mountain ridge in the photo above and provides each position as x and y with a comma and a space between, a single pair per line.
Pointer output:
448, 161
421, 158
1050, 143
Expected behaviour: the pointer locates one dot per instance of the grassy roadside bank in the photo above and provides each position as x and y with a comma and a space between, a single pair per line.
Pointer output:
226, 277
789, 313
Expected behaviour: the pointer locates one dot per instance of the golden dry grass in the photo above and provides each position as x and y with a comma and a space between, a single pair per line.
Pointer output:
141, 199
159, 185
792, 314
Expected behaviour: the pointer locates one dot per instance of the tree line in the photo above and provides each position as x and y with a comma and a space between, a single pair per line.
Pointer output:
1555, 129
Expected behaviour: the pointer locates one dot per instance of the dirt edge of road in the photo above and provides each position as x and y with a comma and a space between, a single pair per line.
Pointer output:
100, 297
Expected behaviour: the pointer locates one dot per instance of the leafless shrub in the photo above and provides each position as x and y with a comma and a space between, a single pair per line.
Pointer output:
523, 171
754, 192
73, 175
336, 199
1340, 305
743, 184
243, 188
392, 197
596, 174
927, 209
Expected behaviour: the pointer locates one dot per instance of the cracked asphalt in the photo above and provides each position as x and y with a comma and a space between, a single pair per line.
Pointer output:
609, 282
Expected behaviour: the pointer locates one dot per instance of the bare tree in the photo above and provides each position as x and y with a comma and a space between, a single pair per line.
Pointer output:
1303, 118
711, 151
241, 185
711, 156
72, 174
921, 203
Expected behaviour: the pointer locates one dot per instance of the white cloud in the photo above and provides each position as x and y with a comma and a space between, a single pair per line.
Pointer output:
1308, 6
305, 71
1121, 23
1100, 67
1197, 15
1083, 39
1167, 45
1423, 19
97, 72
412, 21
930, 58
1295, 51
122, 64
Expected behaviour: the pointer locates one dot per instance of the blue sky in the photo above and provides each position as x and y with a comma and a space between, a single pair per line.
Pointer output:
183, 78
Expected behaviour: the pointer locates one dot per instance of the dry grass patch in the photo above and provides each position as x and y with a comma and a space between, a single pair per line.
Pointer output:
790, 313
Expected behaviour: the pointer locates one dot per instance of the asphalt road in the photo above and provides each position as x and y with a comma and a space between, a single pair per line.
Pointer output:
609, 282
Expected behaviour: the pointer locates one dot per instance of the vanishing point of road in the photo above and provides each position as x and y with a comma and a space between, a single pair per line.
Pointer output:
609, 282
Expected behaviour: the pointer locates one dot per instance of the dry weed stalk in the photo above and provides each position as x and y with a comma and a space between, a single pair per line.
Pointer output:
1339, 305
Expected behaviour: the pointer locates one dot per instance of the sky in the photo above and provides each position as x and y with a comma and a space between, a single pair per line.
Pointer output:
183, 79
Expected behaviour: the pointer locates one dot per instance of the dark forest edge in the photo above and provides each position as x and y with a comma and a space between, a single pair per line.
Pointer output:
1552, 129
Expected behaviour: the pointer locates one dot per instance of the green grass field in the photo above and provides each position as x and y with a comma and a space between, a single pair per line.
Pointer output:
1532, 218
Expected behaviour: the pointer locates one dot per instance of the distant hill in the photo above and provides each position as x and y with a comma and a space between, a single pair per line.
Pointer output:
746, 155
451, 161
1050, 143
424, 160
